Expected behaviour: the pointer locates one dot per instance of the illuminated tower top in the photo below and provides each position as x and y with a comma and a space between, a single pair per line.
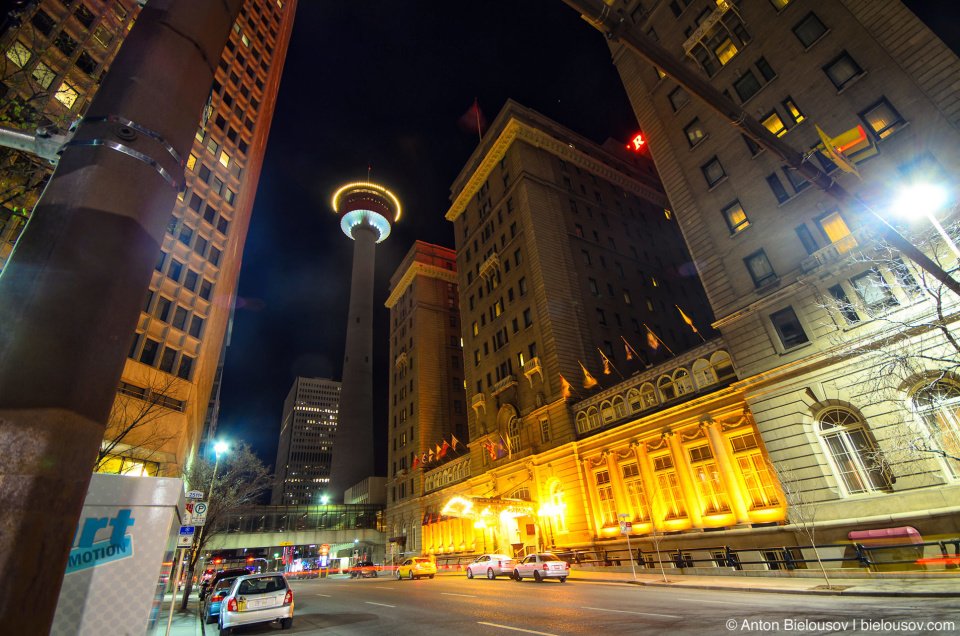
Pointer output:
366, 203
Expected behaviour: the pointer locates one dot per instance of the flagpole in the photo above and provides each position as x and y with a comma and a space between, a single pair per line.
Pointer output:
607, 361
477, 109
687, 320
650, 331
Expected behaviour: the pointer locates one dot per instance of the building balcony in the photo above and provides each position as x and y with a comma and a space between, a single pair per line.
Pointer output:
503, 385
401, 360
479, 402
490, 266
706, 25
833, 252
530, 367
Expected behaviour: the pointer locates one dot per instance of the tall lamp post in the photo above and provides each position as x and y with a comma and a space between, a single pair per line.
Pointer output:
925, 199
219, 448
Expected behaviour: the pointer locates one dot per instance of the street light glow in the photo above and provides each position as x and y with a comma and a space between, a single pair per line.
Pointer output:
220, 447
920, 199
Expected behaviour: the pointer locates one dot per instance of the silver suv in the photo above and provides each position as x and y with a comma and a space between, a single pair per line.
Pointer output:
260, 598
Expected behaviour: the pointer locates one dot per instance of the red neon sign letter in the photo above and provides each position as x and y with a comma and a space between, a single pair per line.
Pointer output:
638, 141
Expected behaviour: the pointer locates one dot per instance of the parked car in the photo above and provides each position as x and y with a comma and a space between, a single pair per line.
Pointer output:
210, 609
210, 583
363, 569
541, 566
256, 598
415, 567
491, 566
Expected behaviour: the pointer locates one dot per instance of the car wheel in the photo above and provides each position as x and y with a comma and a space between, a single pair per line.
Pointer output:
431, 576
374, 574
537, 577
490, 574
411, 574
516, 575
286, 623
225, 631
399, 576
563, 579
469, 573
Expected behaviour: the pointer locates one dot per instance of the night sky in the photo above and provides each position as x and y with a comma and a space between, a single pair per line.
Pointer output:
383, 84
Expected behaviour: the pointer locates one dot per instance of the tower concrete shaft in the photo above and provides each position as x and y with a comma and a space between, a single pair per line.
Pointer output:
353, 445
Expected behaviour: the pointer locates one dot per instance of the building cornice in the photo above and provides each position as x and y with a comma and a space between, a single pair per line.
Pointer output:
418, 268
568, 152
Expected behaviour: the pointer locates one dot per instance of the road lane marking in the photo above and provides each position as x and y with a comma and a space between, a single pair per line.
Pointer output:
383, 588
700, 600
516, 629
602, 609
327, 595
380, 604
463, 595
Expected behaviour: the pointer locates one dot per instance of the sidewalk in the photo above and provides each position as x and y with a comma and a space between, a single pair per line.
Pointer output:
184, 623
948, 586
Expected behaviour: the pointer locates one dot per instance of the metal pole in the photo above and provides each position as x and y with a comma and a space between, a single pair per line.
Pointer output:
617, 28
173, 594
71, 293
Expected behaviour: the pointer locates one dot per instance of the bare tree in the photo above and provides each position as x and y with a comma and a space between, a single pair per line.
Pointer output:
802, 507
138, 423
241, 478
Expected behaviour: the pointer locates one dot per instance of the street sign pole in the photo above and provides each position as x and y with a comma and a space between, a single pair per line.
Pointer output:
625, 527
173, 594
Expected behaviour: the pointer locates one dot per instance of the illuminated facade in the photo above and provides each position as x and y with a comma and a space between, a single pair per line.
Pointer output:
307, 438
428, 404
366, 212
52, 63
813, 311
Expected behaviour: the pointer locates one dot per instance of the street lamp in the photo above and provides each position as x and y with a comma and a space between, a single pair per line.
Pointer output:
925, 199
219, 448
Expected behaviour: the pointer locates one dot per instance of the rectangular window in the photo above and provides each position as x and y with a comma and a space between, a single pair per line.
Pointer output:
43, 74
882, 119
678, 98
735, 217
586, 257
694, 132
522, 285
766, 71
162, 310
148, 355
626, 297
806, 238
778, 190
196, 326
842, 70
544, 430
752, 146
774, 124
179, 318
788, 328
67, 95
608, 512
601, 317
835, 229
527, 318
844, 306
760, 269
746, 86
167, 359
206, 287
873, 290
174, 270
809, 30
793, 112
796, 180
713, 172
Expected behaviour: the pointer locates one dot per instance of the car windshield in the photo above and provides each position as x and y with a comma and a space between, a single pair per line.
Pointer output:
422, 560
549, 557
262, 585
225, 583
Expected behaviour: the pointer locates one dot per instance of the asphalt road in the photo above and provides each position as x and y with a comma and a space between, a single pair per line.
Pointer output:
455, 605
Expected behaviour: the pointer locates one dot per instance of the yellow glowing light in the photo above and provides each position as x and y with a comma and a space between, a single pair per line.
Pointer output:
365, 184
479, 525
457, 506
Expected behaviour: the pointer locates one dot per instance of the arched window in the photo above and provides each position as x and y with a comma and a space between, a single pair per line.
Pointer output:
667, 390
559, 507
593, 418
851, 450
606, 412
619, 410
682, 382
722, 365
522, 494
937, 407
649, 395
513, 434
582, 425
703, 373
633, 399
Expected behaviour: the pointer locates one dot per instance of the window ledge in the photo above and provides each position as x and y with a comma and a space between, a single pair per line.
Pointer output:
717, 183
700, 141
741, 231
760, 90
818, 40
896, 130
795, 348
851, 82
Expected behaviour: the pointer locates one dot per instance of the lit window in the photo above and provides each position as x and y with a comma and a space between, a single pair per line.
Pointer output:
725, 51
937, 406
851, 450
809, 30
67, 95
224, 159
779, 4
873, 290
19, 54
835, 229
608, 513
774, 124
44, 75
792, 111
706, 476
882, 118
191, 161
694, 133
842, 70
735, 217
245, 40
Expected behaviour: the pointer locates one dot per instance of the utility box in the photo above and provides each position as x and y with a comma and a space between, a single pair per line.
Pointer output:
121, 558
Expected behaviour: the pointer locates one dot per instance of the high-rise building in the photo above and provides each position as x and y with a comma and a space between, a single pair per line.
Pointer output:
838, 340
307, 438
428, 403
52, 61
366, 212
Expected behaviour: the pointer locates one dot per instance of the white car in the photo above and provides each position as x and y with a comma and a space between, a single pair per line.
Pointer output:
260, 598
491, 566
541, 566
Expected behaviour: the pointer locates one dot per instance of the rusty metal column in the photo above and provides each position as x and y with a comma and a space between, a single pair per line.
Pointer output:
71, 293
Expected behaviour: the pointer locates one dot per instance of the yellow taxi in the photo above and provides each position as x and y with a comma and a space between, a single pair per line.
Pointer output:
415, 567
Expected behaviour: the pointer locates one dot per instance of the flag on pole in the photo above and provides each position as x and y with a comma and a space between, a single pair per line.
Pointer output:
443, 449
687, 320
423, 459
503, 448
453, 442
566, 389
431, 456
588, 380
606, 362
416, 462
490, 451
652, 340
631, 354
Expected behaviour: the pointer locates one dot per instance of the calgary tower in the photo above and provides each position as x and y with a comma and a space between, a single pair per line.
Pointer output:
366, 212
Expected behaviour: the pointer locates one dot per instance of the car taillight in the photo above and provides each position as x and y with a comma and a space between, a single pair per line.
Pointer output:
566, 566
218, 596
288, 599
232, 605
